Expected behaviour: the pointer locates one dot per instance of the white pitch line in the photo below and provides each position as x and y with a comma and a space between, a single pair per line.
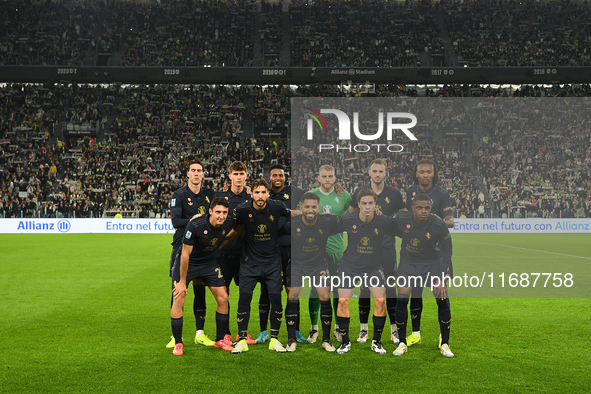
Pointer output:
532, 250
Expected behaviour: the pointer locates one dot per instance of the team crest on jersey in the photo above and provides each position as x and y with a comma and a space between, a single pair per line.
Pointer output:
408, 226
320, 231
327, 209
387, 200
271, 218
337, 200
207, 199
262, 228
376, 231
286, 196
188, 235
224, 232
428, 236
173, 202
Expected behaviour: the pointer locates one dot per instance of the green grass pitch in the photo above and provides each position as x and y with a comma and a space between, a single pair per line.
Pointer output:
90, 313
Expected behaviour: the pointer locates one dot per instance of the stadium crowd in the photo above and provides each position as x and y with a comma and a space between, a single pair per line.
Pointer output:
525, 33
214, 34
148, 132
361, 34
49, 33
327, 33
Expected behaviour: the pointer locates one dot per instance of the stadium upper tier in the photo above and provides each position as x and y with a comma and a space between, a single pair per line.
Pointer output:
329, 33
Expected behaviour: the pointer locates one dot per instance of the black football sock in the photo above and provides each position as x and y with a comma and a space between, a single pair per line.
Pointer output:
416, 308
222, 323
402, 316
290, 317
276, 311
344, 328
199, 306
444, 315
313, 306
335, 305
378, 327
177, 329
264, 307
391, 305
243, 314
326, 319
297, 325
228, 331
364, 308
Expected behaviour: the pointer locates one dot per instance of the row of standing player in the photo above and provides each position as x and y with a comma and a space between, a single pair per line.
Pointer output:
389, 202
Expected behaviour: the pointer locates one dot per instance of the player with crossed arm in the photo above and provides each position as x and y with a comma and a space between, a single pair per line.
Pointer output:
201, 243
425, 179
259, 220
425, 257
363, 258
389, 203
186, 204
330, 202
290, 196
310, 233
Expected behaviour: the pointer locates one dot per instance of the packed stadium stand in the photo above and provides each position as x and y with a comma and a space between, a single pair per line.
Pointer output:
70, 149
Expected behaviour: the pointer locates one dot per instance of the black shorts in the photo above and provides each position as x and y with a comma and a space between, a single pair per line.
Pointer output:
419, 275
230, 265
210, 274
349, 278
269, 274
174, 256
316, 275
285, 252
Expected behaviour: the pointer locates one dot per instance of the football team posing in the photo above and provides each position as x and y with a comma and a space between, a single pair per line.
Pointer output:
277, 235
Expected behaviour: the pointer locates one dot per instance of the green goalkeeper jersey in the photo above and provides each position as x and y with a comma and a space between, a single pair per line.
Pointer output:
335, 204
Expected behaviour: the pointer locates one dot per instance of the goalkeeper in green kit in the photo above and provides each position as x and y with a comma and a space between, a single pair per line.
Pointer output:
330, 202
